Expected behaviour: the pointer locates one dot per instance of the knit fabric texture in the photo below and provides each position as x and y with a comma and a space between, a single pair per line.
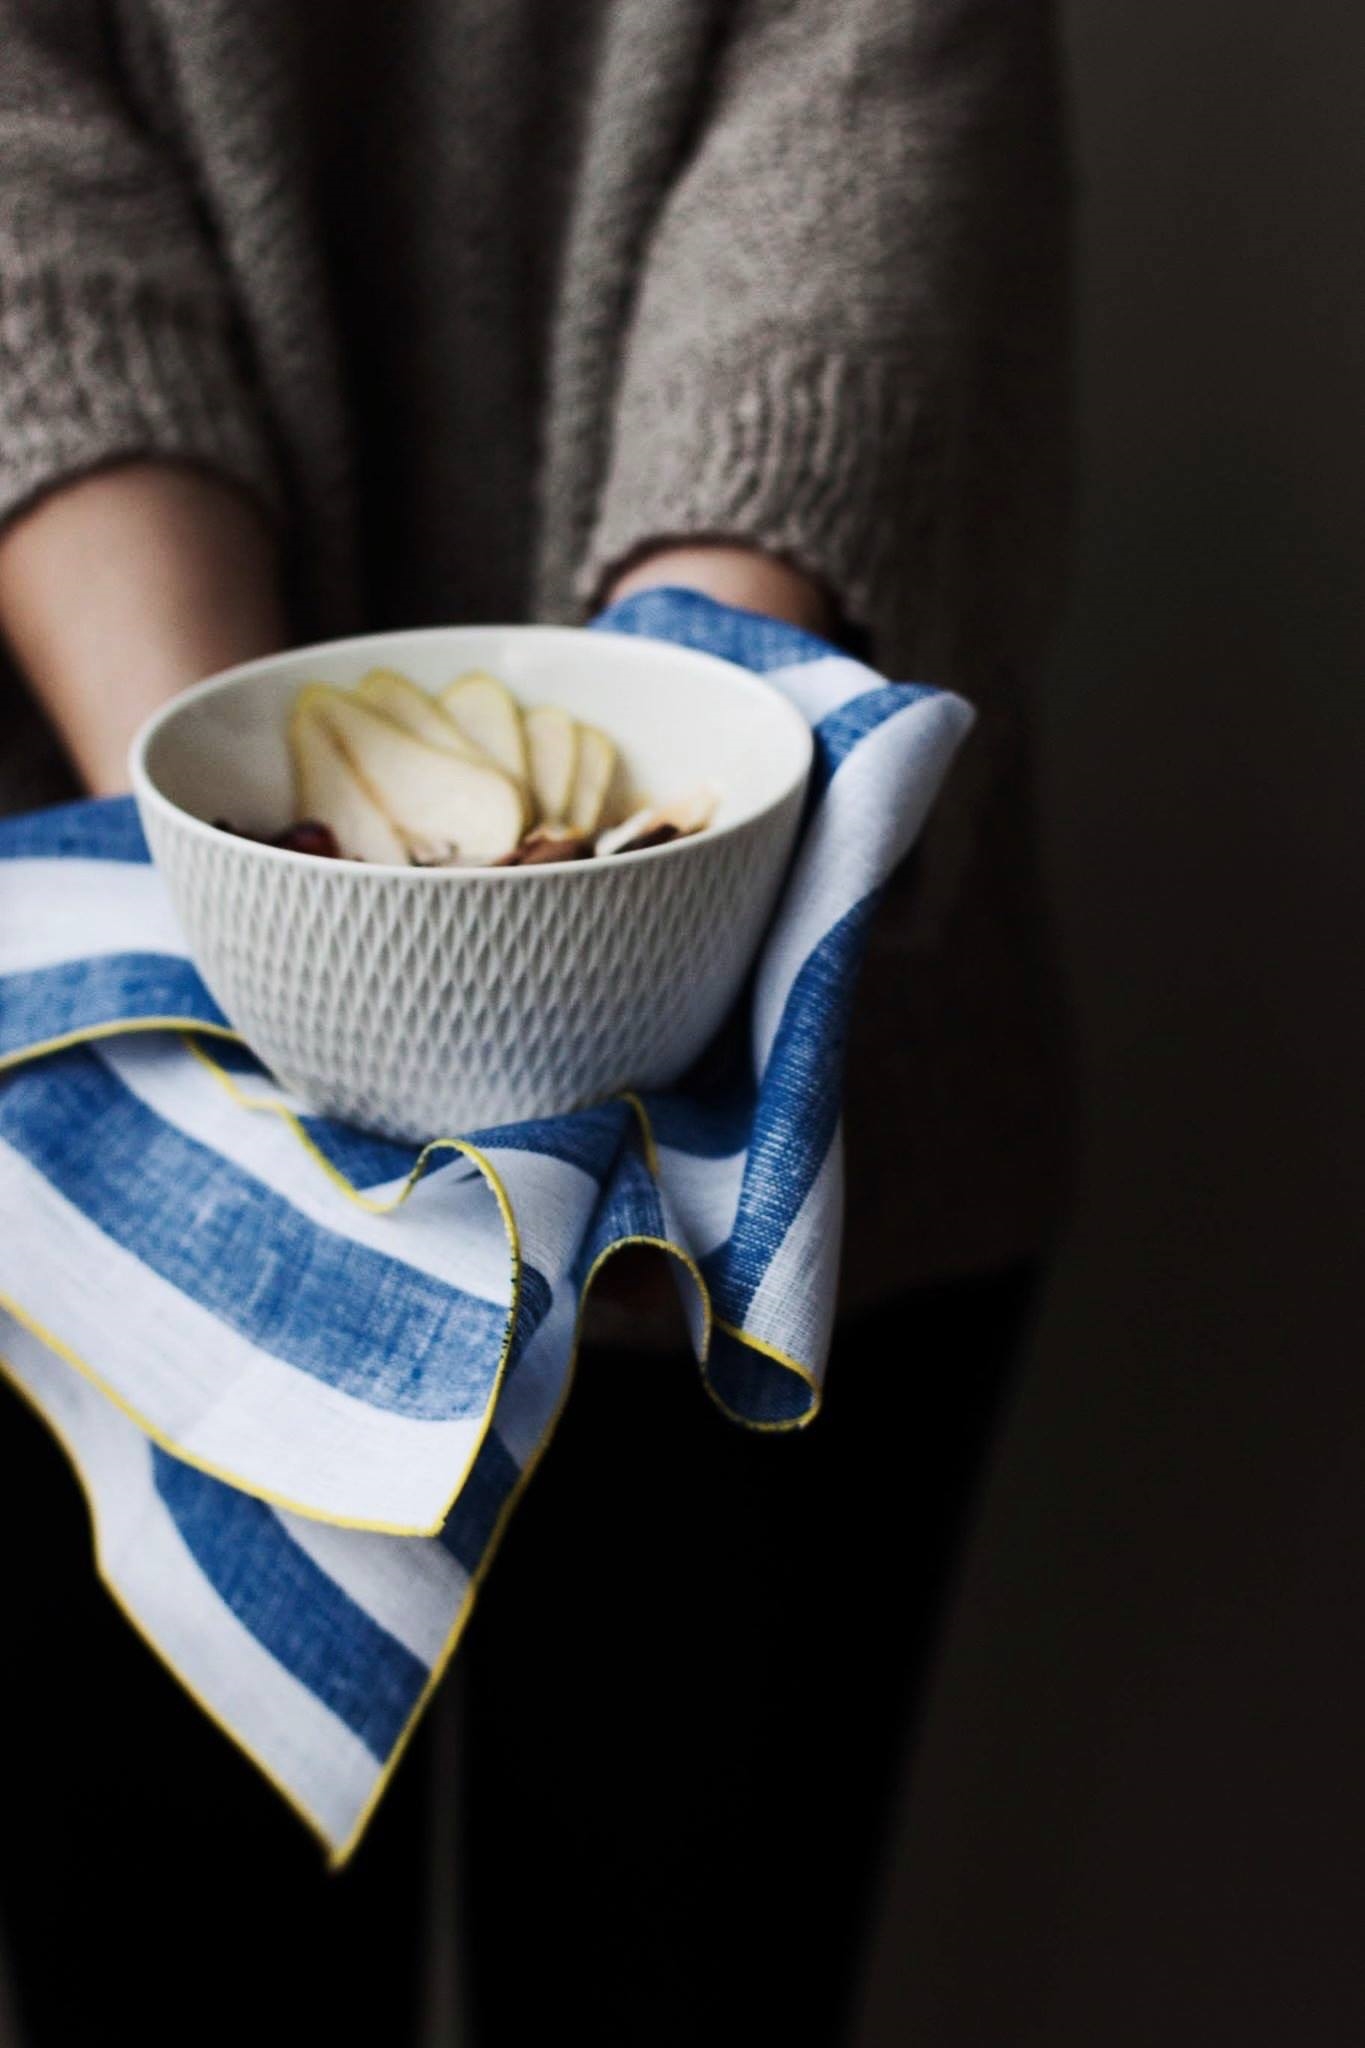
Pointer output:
479, 300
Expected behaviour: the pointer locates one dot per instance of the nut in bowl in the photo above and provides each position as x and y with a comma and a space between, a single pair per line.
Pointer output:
479, 976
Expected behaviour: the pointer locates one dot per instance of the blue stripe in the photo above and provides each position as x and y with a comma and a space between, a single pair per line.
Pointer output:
708, 1130
307, 1622
93, 828
754, 1386
363, 1159
82, 995
689, 619
367, 1161
533, 1305
586, 1138
840, 732
469, 1526
798, 1108
368, 1324
628, 1206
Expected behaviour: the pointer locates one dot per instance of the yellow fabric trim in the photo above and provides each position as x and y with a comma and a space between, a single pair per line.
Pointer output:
114, 1030
802, 1372
290, 1798
184, 1026
338, 1179
353, 1194
268, 1494
347, 1848
651, 1150
339, 1856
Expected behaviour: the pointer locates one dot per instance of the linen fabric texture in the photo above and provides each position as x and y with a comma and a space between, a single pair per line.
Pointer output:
304, 1373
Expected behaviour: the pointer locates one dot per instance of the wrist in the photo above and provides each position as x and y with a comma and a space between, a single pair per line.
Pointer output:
732, 572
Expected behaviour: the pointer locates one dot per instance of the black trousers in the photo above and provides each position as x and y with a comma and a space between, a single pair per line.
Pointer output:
690, 1679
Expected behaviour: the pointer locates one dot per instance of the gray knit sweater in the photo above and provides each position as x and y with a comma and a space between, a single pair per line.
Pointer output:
479, 296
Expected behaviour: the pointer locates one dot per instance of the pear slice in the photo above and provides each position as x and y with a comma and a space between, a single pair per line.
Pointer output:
434, 799
656, 823
552, 743
621, 838
488, 715
690, 813
417, 713
592, 779
327, 788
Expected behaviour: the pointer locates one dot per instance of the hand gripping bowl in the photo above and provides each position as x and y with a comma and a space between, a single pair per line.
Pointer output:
421, 1002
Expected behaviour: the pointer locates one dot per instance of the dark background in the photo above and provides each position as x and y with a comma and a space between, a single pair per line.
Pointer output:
1139, 1814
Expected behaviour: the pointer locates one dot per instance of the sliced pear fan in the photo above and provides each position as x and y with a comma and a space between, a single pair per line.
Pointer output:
552, 744
456, 780
488, 714
592, 781
401, 700
434, 799
327, 788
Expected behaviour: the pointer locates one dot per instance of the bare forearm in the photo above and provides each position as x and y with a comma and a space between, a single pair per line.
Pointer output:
124, 586
119, 589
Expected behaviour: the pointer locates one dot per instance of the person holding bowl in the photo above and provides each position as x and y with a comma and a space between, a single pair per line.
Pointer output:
315, 321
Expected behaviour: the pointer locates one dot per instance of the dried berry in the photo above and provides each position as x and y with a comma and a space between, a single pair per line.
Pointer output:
657, 835
309, 835
542, 845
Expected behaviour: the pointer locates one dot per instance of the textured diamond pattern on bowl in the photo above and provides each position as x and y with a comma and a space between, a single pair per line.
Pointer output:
420, 1005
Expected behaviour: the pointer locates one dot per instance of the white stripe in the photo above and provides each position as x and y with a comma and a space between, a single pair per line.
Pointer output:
211, 1392
81, 910
552, 1201
410, 1585
328, 1769
818, 687
893, 774
531, 1392
692, 1296
334, 1456
793, 1307
703, 1194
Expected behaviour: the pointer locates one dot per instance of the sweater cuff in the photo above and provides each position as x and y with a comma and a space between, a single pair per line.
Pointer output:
826, 459
105, 368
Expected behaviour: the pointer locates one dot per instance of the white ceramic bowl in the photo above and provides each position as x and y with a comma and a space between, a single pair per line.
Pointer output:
419, 1002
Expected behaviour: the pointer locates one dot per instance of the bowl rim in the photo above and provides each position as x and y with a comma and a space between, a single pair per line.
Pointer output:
752, 681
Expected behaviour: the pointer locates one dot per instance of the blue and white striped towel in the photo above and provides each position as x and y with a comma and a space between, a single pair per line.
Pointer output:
302, 1373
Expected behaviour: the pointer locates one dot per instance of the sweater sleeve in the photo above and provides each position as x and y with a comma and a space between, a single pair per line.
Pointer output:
117, 328
868, 213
